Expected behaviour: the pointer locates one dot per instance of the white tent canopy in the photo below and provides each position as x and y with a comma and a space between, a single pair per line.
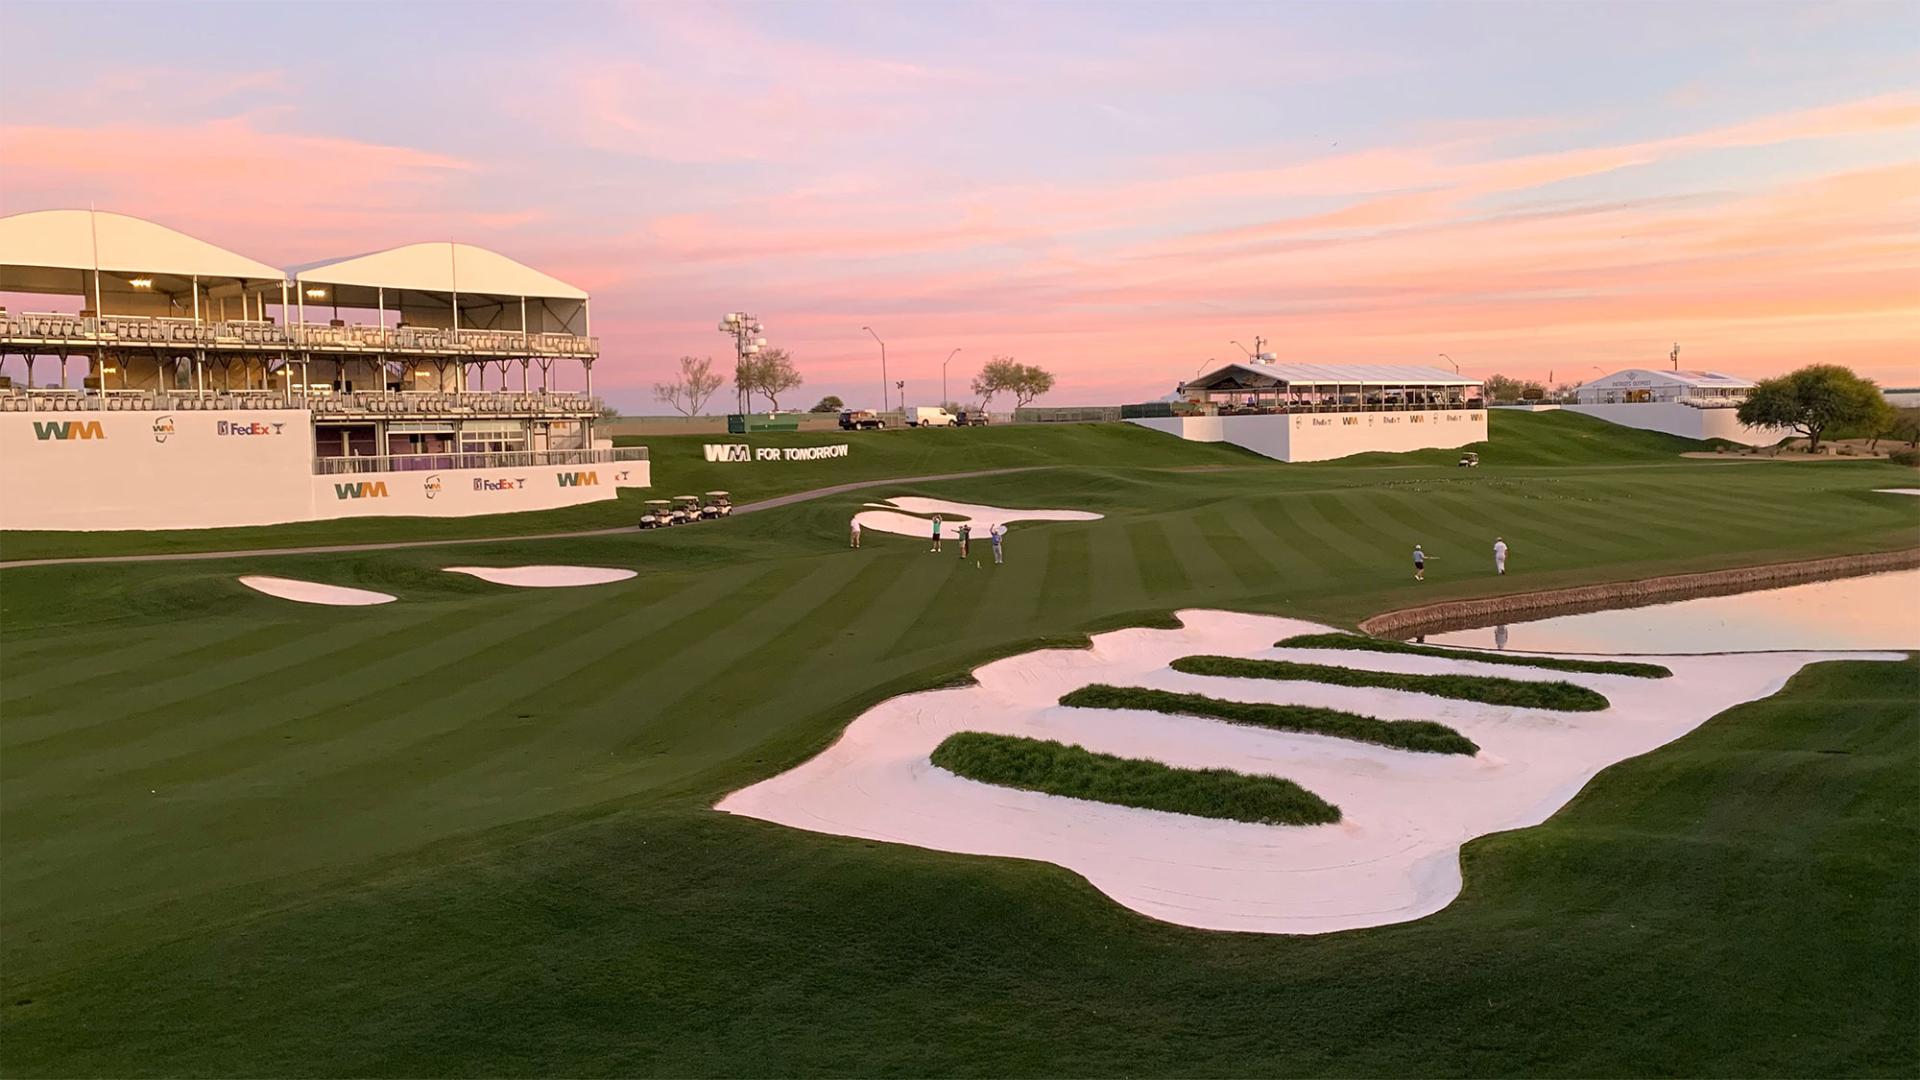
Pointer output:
423, 283
142, 268
1238, 376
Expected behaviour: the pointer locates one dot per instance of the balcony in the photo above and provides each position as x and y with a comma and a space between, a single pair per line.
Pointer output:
29, 330
512, 459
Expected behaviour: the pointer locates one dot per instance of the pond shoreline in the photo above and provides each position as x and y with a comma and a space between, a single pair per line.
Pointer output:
1471, 614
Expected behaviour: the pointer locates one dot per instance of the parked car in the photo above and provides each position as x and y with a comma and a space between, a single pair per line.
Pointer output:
860, 420
929, 416
659, 514
971, 418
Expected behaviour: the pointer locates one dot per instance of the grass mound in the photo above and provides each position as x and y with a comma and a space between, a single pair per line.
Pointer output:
1057, 768
1485, 689
1422, 736
1363, 643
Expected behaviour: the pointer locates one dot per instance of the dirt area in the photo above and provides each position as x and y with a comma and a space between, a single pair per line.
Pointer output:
1796, 450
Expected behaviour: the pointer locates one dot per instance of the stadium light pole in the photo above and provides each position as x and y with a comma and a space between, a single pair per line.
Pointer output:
1449, 359
943, 376
745, 330
883, 368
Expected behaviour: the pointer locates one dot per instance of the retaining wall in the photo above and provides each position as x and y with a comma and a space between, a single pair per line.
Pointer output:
1466, 614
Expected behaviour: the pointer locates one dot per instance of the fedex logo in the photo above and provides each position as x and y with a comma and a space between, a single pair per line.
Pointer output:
224, 427
499, 485
361, 489
578, 479
63, 430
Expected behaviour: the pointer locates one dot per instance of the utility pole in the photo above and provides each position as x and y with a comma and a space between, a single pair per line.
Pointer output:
943, 377
883, 368
1674, 356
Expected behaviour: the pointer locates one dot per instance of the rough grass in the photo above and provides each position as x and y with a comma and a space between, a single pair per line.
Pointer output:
1363, 643
1488, 690
1057, 768
1423, 736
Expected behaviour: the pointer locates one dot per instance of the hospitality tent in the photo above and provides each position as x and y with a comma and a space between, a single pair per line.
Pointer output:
122, 265
446, 285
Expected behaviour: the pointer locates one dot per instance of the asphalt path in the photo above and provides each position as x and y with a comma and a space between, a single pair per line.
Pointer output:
330, 549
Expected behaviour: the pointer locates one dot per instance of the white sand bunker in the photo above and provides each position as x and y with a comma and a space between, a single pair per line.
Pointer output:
1395, 855
897, 516
1897, 491
312, 592
544, 577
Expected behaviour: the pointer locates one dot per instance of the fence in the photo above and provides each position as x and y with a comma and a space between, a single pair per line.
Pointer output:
515, 459
30, 328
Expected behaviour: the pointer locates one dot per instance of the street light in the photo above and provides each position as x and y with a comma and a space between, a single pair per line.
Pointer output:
1449, 359
883, 369
943, 377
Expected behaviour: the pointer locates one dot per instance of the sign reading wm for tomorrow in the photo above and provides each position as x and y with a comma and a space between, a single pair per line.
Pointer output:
63, 430
740, 452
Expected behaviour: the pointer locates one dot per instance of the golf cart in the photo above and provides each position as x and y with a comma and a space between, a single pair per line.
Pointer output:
658, 516
1469, 461
719, 504
686, 509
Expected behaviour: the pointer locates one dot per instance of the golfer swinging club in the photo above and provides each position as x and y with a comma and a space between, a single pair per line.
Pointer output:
966, 532
997, 532
936, 533
1499, 556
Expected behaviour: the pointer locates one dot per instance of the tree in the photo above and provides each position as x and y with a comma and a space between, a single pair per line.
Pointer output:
1811, 400
746, 380
775, 374
689, 393
1005, 374
1500, 387
830, 403
1880, 422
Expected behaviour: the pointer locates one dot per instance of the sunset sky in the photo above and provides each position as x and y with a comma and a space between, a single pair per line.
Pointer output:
1113, 191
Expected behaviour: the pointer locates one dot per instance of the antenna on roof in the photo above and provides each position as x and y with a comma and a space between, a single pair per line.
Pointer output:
1675, 356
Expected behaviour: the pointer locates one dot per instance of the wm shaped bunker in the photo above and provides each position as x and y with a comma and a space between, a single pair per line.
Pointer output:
686, 509
719, 504
659, 514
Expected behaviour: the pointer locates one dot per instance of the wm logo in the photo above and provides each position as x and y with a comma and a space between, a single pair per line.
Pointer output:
579, 479
728, 452
364, 489
67, 429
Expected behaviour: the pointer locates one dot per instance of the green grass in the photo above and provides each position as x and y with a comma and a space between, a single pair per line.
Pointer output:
472, 831
1075, 772
1422, 736
1364, 643
1487, 690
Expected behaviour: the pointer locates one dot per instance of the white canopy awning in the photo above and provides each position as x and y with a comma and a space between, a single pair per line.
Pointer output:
55, 251
439, 268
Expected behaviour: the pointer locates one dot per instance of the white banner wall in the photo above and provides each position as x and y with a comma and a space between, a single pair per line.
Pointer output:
89, 471
1324, 436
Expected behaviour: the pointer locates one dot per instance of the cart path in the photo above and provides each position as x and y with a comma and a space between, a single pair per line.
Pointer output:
331, 549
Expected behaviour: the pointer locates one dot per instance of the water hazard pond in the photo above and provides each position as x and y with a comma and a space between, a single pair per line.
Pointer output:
1877, 611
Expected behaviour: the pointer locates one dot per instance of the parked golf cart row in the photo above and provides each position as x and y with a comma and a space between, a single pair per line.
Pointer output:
924, 416
686, 510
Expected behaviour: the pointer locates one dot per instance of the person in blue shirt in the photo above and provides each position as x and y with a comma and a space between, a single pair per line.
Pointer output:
997, 532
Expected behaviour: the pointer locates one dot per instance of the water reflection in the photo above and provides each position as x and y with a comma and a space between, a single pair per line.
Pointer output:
1879, 611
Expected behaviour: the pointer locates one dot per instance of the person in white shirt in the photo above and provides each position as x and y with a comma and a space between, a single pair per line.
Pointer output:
853, 531
1419, 564
1499, 556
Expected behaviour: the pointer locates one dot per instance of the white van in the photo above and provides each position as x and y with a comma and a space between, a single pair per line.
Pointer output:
929, 416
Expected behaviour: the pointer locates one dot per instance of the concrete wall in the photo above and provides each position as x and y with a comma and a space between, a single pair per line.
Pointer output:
1324, 436
1684, 420
196, 470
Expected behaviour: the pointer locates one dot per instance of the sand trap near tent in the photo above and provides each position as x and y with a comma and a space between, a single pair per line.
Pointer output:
1394, 856
898, 516
544, 577
312, 592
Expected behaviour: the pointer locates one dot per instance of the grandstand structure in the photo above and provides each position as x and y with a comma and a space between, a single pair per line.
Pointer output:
423, 358
1315, 412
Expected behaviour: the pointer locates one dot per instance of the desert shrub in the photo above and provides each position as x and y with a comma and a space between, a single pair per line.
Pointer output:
1057, 768
1364, 643
1423, 736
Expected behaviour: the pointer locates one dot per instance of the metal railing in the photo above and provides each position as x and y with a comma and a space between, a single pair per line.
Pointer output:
401, 404
509, 459
242, 334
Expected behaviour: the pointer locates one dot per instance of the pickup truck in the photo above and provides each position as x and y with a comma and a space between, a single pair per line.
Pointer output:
860, 420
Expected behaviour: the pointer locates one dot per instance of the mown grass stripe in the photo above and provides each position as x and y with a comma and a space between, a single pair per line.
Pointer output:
1074, 772
1159, 570
1422, 736
1369, 644
1486, 689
